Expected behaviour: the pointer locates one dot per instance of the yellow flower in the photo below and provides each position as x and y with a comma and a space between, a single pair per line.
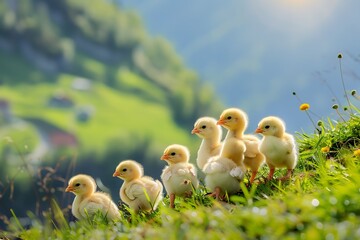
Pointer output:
304, 106
357, 153
325, 149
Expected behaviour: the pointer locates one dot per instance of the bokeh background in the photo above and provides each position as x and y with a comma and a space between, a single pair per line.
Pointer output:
86, 84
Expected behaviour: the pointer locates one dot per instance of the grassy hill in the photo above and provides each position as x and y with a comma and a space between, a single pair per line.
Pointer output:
113, 113
131, 73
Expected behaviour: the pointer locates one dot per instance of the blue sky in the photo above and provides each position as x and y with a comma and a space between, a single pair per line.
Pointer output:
256, 53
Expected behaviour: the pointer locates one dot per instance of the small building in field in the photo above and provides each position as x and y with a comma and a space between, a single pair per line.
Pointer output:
61, 100
60, 139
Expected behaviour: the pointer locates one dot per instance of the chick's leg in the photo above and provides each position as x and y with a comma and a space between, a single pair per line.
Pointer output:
287, 176
253, 175
172, 200
271, 173
216, 193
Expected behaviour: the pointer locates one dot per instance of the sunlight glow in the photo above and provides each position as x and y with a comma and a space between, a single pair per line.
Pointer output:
297, 3
295, 20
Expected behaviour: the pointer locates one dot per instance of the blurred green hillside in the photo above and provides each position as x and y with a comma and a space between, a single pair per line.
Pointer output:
85, 82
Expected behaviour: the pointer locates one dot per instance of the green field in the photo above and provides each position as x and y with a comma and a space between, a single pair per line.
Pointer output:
114, 113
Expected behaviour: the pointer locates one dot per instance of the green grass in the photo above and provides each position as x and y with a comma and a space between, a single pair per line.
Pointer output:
91, 66
138, 85
321, 201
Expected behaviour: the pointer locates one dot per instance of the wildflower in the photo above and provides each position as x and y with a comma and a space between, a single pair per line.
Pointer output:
336, 107
354, 94
304, 107
320, 123
325, 149
343, 82
357, 153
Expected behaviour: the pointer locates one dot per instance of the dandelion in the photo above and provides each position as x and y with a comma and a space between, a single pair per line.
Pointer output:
357, 153
325, 149
304, 107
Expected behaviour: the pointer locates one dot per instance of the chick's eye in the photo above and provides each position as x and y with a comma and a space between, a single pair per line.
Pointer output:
124, 170
172, 154
228, 118
77, 185
267, 127
203, 126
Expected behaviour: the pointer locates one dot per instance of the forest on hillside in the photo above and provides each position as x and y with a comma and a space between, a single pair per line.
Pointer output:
54, 34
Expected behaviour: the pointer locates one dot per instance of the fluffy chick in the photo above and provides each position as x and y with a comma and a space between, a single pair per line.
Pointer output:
211, 133
223, 173
179, 177
236, 121
87, 202
137, 189
278, 146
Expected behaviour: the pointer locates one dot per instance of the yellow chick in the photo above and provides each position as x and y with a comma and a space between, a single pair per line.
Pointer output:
207, 129
179, 177
236, 121
138, 191
278, 146
223, 173
87, 202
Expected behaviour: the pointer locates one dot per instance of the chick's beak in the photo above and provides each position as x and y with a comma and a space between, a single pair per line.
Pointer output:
221, 121
259, 130
195, 130
116, 174
69, 189
164, 157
